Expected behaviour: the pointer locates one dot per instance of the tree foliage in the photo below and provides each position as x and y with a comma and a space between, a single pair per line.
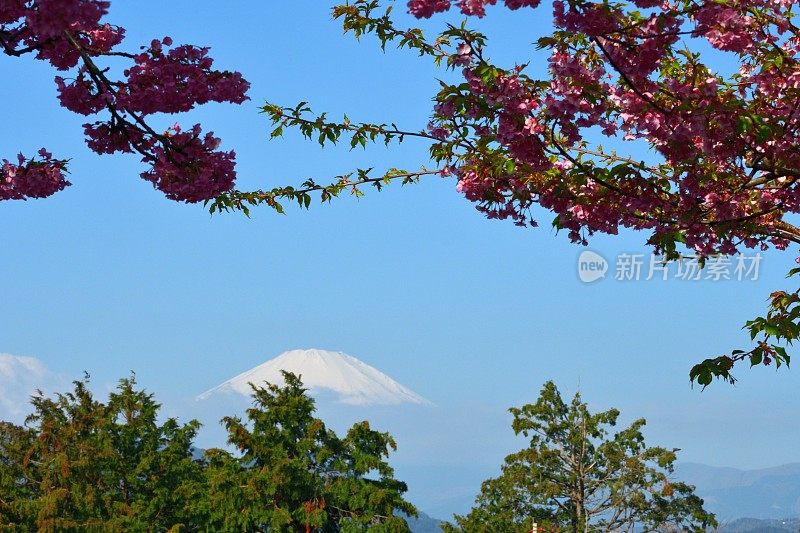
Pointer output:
576, 475
79, 464
293, 473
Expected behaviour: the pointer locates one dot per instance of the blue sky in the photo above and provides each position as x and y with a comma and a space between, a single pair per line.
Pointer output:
109, 277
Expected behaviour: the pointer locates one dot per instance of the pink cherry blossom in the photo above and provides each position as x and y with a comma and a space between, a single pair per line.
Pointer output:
724, 160
32, 178
72, 36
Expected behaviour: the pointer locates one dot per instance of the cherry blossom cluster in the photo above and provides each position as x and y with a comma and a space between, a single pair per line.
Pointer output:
32, 178
161, 78
725, 149
194, 173
426, 8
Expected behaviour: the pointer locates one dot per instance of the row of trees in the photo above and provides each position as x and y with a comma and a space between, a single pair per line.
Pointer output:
79, 464
83, 465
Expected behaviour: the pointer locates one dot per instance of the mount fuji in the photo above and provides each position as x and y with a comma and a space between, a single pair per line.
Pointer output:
351, 380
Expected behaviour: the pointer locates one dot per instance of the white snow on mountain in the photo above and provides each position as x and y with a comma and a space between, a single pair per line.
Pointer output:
353, 381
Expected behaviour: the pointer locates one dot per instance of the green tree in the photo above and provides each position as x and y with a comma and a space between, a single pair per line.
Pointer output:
17, 490
294, 474
576, 475
84, 465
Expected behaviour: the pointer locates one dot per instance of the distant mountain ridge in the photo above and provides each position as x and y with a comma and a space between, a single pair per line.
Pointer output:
745, 501
753, 525
424, 524
732, 494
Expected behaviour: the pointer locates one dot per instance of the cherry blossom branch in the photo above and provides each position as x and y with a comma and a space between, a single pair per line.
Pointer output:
102, 84
283, 117
235, 200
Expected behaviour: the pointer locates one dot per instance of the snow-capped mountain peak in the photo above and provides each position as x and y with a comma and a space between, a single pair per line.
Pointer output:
353, 381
